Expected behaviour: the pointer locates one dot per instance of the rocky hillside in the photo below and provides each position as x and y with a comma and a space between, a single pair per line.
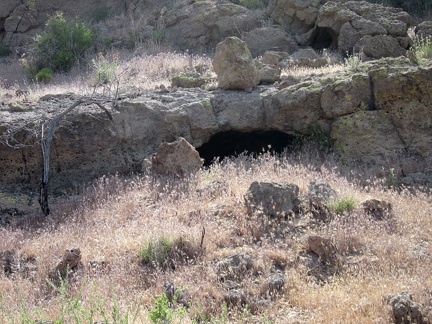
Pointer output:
281, 25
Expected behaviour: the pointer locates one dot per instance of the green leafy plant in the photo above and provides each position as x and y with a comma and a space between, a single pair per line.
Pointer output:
44, 75
104, 68
158, 34
62, 44
163, 312
343, 205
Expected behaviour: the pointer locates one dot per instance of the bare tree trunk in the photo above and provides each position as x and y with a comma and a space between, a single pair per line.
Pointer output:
46, 149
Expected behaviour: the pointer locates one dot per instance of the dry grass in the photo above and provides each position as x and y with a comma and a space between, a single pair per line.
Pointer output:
115, 218
136, 71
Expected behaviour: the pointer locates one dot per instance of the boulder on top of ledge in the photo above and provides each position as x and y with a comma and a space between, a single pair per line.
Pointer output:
178, 158
234, 66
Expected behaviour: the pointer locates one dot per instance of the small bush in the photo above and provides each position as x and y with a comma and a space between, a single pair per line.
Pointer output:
4, 50
167, 253
343, 205
104, 68
354, 62
422, 48
63, 43
162, 312
44, 75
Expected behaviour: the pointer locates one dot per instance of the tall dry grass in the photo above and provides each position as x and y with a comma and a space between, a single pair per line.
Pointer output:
135, 71
117, 216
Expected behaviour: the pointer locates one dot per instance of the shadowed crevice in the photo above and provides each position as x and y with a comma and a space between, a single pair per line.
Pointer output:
233, 143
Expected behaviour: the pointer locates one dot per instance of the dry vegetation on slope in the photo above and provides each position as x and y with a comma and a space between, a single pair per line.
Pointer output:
113, 223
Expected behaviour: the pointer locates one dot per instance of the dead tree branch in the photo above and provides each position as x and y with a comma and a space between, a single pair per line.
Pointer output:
46, 147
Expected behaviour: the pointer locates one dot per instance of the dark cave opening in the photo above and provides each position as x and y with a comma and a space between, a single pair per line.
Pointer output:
234, 143
324, 38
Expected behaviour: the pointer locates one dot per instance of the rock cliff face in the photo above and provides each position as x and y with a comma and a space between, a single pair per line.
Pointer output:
283, 25
370, 116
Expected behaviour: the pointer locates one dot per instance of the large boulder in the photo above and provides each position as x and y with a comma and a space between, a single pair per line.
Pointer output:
349, 21
202, 24
234, 65
272, 199
379, 46
261, 40
178, 158
424, 29
296, 16
20, 20
7, 7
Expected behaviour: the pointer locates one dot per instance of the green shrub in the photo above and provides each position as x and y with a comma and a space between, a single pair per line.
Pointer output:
421, 48
104, 68
63, 43
342, 205
44, 75
4, 50
167, 253
162, 311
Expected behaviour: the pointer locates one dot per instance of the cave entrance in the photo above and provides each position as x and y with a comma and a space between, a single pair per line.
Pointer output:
233, 143
324, 38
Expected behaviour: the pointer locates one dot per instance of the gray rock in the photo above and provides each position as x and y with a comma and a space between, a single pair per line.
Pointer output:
261, 40
405, 310
234, 66
272, 199
267, 73
319, 195
424, 29
178, 158
377, 209
379, 46
234, 267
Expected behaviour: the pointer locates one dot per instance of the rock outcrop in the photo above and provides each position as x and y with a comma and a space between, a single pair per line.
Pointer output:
370, 116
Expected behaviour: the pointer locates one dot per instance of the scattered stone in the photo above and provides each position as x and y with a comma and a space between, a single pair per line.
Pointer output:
234, 267
323, 248
7, 262
178, 158
272, 199
234, 66
405, 310
235, 298
273, 287
267, 73
69, 263
214, 189
188, 80
7, 215
377, 209
319, 194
